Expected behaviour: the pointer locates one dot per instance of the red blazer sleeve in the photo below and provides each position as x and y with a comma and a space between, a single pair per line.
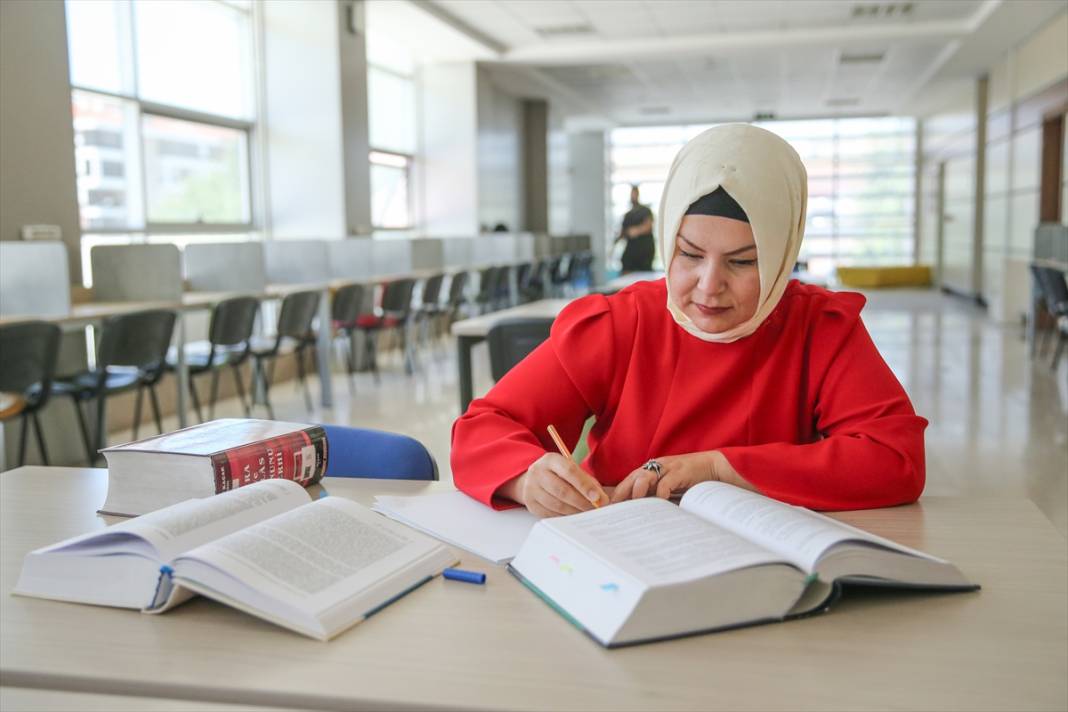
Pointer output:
870, 452
561, 383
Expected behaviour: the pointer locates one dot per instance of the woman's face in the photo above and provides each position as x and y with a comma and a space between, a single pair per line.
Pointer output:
714, 278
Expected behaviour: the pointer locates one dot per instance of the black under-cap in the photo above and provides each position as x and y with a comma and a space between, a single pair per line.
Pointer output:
718, 203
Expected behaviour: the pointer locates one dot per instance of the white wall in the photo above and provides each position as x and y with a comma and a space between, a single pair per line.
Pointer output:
500, 167
37, 180
355, 128
588, 154
949, 136
1036, 68
447, 170
559, 177
305, 173
1013, 174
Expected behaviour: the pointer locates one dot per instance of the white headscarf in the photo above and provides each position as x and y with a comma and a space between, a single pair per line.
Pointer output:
765, 176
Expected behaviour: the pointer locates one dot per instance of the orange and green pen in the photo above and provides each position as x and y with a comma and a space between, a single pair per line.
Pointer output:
567, 453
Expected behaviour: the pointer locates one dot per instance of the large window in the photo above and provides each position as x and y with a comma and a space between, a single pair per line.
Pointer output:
861, 174
391, 101
163, 106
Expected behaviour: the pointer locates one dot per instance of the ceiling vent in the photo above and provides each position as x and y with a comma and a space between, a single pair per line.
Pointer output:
654, 110
861, 57
764, 116
887, 9
555, 31
849, 101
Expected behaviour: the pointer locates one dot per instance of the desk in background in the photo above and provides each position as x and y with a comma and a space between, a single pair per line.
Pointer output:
500, 647
469, 332
625, 280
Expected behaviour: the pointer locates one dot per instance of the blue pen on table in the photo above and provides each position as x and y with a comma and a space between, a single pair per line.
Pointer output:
466, 576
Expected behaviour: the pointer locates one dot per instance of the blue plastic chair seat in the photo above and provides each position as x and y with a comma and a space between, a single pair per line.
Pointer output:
197, 356
84, 384
360, 452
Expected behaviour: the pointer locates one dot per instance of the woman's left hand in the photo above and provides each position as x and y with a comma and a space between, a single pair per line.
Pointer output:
678, 473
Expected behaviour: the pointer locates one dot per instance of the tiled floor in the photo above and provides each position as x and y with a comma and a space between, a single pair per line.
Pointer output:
999, 421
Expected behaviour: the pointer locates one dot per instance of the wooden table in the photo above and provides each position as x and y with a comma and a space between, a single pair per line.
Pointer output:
94, 312
499, 647
24, 698
469, 332
625, 280
11, 404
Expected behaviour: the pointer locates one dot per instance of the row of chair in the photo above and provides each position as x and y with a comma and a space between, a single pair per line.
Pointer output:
134, 350
559, 276
1053, 291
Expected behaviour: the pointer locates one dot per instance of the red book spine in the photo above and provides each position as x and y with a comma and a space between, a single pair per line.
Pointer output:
299, 456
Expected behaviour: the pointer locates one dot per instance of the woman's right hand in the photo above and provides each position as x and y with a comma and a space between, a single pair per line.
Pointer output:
555, 485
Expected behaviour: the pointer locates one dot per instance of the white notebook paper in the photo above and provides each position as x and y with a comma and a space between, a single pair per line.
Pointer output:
462, 521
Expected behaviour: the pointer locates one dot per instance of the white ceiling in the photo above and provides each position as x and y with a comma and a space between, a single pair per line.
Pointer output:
667, 61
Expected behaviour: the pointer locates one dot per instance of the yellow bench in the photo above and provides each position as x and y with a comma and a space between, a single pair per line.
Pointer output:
904, 276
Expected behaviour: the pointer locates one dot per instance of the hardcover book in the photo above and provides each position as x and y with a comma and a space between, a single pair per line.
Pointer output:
725, 557
208, 459
313, 567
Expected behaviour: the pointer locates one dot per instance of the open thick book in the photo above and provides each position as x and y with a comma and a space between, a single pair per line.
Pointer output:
266, 549
724, 557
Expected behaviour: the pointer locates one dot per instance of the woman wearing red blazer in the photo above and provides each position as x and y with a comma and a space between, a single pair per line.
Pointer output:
726, 370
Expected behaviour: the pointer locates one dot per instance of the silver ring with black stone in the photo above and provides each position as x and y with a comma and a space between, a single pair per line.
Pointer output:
655, 467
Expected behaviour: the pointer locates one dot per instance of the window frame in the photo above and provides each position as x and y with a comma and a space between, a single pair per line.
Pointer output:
838, 169
247, 126
409, 160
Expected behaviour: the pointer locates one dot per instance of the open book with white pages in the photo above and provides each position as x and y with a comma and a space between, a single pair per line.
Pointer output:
725, 557
315, 567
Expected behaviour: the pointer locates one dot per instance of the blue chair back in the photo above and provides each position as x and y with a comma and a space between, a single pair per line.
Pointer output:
359, 452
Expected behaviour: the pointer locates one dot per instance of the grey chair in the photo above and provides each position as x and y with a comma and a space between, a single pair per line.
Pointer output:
228, 345
394, 312
556, 275
430, 307
535, 283
291, 337
454, 305
345, 309
28, 353
511, 340
132, 355
502, 287
580, 272
1054, 292
488, 279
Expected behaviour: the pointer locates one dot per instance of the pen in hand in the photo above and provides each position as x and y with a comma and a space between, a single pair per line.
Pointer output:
595, 500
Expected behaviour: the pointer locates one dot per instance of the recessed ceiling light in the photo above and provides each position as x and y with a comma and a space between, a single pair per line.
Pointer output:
849, 101
889, 9
861, 57
564, 30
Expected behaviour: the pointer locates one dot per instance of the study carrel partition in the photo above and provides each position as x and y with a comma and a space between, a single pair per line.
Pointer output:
225, 267
34, 279
306, 262
34, 283
136, 273
145, 273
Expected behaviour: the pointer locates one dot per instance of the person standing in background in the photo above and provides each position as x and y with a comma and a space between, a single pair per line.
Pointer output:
637, 230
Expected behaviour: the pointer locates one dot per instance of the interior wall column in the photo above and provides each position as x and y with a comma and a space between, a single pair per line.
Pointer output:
536, 165
355, 125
